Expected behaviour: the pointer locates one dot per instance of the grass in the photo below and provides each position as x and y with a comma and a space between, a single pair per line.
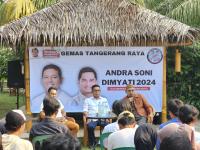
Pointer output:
9, 102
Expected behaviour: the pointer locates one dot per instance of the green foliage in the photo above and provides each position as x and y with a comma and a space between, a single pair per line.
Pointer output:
7, 54
14, 9
185, 11
39, 4
184, 85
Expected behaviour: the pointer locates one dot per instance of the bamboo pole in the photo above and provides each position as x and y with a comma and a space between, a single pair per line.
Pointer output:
27, 89
164, 101
178, 61
27, 82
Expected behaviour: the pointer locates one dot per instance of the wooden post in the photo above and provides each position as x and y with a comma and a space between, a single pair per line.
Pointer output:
164, 101
27, 88
178, 61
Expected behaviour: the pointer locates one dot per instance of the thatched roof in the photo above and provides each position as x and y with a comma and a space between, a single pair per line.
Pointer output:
96, 22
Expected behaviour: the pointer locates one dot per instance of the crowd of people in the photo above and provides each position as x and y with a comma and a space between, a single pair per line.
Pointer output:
133, 127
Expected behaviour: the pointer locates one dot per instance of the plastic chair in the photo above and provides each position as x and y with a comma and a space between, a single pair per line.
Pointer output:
38, 140
125, 148
103, 136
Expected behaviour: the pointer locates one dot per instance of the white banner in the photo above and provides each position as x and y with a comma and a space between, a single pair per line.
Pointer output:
110, 67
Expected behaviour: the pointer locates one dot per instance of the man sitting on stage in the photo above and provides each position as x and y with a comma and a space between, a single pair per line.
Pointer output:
138, 105
90, 107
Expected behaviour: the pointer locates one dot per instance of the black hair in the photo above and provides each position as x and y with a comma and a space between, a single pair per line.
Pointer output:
13, 121
174, 105
176, 141
96, 85
51, 88
118, 107
61, 142
87, 69
188, 113
51, 106
52, 66
145, 137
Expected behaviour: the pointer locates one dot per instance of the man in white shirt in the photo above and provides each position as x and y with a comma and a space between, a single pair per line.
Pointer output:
90, 108
125, 136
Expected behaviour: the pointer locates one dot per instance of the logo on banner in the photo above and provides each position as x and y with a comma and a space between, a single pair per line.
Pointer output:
154, 56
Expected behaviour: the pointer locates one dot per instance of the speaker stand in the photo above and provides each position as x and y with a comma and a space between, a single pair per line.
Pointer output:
17, 98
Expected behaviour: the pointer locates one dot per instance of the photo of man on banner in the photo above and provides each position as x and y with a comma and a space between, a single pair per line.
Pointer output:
51, 77
87, 77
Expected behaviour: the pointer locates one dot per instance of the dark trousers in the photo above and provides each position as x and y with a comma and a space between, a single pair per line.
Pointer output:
91, 127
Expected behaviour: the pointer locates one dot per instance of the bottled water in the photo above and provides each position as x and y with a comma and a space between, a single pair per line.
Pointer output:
103, 109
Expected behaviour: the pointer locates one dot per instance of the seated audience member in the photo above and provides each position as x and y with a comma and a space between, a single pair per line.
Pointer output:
116, 109
177, 141
173, 108
15, 125
90, 107
61, 115
124, 137
61, 142
188, 115
2, 128
48, 125
140, 107
145, 137
112, 127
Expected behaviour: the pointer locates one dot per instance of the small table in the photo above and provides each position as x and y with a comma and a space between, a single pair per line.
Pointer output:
109, 116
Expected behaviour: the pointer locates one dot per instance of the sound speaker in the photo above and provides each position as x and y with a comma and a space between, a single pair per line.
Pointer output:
15, 74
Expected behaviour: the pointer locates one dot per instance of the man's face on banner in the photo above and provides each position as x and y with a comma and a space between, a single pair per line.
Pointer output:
35, 52
51, 79
86, 82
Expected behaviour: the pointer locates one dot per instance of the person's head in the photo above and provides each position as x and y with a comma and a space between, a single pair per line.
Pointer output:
118, 107
145, 137
96, 91
188, 114
52, 91
51, 106
15, 121
173, 107
35, 52
51, 76
126, 105
87, 77
126, 120
176, 141
61, 142
129, 90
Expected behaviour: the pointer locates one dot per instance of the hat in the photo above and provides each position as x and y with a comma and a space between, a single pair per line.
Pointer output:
126, 114
14, 120
129, 86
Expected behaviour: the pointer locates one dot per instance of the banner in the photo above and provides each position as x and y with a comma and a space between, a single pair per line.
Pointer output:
73, 70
